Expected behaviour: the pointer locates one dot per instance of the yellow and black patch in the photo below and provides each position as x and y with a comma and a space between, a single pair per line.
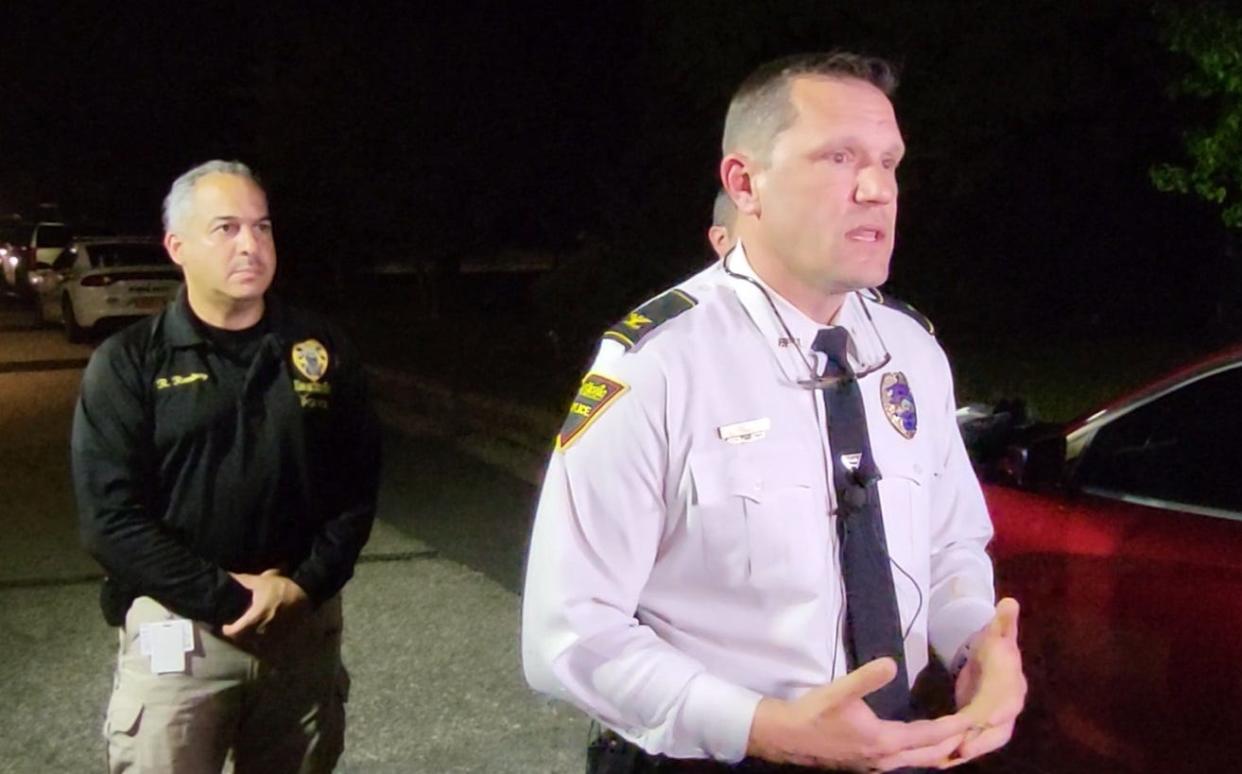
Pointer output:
650, 316
594, 395
901, 306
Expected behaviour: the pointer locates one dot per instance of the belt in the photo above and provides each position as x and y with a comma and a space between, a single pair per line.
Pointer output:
618, 748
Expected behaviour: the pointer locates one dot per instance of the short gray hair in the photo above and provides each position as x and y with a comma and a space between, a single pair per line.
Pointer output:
761, 109
724, 212
178, 198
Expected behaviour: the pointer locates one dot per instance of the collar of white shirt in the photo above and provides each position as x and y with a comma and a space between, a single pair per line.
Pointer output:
795, 356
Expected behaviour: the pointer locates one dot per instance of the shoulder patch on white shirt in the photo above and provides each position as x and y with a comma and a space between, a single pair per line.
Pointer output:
651, 315
595, 394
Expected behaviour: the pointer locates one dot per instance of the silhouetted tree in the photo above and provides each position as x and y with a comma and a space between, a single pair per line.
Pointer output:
1208, 38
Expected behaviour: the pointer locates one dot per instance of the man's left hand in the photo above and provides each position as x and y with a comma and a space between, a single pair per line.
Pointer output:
991, 688
273, 598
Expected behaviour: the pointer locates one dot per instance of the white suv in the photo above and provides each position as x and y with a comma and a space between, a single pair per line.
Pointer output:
105, 278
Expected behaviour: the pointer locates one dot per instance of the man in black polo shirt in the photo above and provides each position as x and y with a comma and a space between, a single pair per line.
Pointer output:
226, 462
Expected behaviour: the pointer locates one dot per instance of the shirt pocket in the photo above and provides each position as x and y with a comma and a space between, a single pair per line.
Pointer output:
904, 491
756, 514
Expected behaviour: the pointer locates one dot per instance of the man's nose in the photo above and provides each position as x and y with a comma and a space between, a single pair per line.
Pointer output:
247, 239
876, 185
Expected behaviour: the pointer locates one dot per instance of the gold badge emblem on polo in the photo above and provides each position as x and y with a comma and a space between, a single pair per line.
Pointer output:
311, 359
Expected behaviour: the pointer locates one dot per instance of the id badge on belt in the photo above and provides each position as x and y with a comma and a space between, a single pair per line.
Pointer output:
166, 643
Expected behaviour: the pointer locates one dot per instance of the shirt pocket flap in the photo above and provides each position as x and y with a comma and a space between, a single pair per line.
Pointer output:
720, 473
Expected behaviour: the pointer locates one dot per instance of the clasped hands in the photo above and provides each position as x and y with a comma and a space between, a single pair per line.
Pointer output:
274, 599
832, 727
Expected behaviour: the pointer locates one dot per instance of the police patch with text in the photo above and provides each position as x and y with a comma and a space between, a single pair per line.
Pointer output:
595, 394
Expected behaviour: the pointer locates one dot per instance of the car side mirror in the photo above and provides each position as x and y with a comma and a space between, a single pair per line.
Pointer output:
1036, 463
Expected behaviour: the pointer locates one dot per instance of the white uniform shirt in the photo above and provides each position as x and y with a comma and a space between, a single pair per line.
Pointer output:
675, 578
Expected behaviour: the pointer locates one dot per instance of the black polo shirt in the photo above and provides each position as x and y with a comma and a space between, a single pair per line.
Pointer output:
197, 452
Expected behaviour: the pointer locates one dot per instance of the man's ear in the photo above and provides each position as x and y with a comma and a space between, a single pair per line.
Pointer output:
718, 237
737, 178
172, 245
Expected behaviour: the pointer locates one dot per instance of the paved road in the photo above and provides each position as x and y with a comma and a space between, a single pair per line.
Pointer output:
432, 614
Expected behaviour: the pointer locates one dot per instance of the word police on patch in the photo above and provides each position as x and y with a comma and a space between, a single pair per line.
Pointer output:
595, 394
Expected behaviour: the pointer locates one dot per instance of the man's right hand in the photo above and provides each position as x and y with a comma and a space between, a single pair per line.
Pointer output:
273, 597
832, 727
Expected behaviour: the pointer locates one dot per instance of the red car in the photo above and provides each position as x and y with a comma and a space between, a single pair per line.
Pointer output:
1121, 535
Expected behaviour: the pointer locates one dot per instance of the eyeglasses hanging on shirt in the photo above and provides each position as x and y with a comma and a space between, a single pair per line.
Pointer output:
815, 381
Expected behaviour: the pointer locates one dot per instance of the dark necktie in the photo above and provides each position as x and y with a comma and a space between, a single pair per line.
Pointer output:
872, 620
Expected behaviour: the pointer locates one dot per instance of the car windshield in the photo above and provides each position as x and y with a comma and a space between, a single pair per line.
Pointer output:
117, 255
53, 235
16, 234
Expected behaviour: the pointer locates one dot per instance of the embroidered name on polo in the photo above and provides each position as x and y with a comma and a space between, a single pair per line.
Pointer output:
178, 380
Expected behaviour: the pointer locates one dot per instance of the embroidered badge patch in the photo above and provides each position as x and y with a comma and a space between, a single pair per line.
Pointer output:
899, 404
311, 359
594, 395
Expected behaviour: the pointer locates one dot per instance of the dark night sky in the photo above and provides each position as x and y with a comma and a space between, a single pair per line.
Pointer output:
473, 125
131, 96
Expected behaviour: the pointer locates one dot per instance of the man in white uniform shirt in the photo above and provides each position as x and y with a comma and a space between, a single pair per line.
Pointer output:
688, 569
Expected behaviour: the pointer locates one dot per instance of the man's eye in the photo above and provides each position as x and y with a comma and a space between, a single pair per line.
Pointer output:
840, 157
227, 228
264, 228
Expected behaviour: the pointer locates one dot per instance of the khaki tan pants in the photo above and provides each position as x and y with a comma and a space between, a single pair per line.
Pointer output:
273, 708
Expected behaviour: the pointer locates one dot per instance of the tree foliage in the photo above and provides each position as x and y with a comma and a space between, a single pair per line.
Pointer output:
1208, 38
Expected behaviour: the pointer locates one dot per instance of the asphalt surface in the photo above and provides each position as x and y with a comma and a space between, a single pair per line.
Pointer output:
432, 615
